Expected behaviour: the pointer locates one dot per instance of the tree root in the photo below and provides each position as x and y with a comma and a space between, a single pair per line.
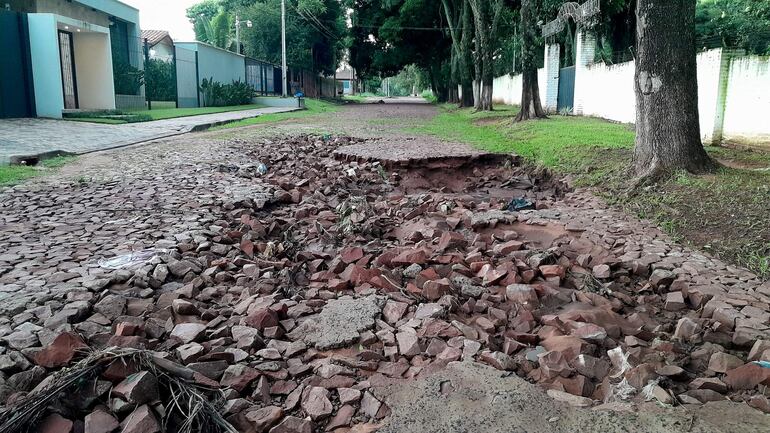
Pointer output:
658, 173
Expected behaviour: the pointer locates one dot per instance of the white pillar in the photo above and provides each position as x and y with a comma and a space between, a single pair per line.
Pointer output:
551, 85
586, 51
715, 136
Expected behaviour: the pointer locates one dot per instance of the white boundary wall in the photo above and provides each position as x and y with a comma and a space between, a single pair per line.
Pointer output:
733, 94
747, 111
507, 89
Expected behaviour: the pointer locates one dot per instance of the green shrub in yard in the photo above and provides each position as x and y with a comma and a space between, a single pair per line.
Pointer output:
128, 79
216, 94
160, 79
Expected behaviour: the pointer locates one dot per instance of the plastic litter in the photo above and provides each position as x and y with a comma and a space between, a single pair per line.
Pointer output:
131, 260
763, 364
620, 391
619, 360
262, 168
648, 390
518, 204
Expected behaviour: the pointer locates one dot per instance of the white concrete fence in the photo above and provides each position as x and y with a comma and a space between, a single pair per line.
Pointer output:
733, 92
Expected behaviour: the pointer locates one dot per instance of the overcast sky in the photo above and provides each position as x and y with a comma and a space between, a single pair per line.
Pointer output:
165, 15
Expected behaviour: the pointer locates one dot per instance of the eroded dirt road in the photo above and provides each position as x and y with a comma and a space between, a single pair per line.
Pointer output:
369, 279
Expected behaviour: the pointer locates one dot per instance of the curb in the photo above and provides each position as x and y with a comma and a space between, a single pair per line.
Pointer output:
36, 158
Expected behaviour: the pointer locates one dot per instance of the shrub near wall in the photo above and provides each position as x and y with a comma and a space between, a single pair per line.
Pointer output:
160, 80
128, 79
216, 94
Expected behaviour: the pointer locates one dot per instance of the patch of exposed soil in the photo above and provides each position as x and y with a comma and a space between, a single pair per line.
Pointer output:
742, 164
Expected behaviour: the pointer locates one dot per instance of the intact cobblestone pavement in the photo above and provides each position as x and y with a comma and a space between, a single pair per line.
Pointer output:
20, 137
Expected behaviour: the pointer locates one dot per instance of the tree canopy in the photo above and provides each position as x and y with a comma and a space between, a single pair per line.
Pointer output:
316, 35
734, 23
450, 42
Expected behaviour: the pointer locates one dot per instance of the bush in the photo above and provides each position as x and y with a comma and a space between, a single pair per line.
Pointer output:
128, 79
160, 79
216, 94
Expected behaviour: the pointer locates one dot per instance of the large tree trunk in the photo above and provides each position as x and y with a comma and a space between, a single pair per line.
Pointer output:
665, 84
466, 57
439, 87
454, 77
453, 97
458, 15
530, 90
466, 99
487, 80
485, 34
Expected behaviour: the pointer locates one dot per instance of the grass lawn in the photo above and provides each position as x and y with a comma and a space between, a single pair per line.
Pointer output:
726, 213
133, 116
12, 174
169, 113
312, 107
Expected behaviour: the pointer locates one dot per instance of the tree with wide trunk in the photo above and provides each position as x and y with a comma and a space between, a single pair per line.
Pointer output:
666, 88
486, 17
530, 91
466, 59
458, 15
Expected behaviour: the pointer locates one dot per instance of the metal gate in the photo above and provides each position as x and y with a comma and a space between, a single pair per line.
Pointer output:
16, 95
68, 79
186, 78
566, 98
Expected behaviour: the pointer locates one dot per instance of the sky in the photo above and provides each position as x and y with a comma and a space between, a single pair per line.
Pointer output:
166, 15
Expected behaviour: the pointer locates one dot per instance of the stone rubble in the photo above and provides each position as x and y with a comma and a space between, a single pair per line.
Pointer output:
301, 291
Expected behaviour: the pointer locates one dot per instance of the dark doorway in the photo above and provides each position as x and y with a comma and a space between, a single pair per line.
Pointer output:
68, 78
16, 95
566, 97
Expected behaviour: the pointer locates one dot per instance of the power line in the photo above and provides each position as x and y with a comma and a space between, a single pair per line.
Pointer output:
317, 25
328, 32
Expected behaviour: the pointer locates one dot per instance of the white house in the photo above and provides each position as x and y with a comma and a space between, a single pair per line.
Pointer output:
160, 44
347, 76
69, 54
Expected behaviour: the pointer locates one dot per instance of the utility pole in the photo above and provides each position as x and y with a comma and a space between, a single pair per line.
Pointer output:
237, 34
283, 48
147, 95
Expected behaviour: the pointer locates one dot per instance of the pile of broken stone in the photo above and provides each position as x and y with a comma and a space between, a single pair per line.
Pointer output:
288, 323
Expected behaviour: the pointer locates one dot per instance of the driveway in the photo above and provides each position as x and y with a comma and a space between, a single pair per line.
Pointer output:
35, 136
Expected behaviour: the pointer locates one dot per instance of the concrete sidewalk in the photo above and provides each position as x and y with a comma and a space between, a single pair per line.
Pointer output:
32, 136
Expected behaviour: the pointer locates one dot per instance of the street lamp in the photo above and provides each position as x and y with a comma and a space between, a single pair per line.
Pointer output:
238, 32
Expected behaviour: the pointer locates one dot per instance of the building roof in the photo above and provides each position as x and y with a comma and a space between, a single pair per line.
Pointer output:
155, 36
